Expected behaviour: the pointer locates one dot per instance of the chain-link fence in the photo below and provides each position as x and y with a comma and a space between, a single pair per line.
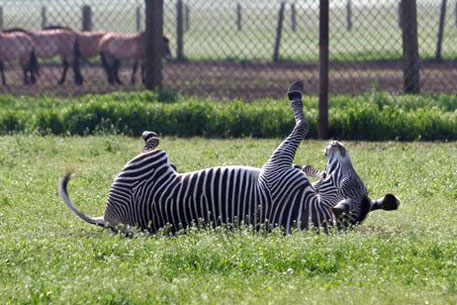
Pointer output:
238, 49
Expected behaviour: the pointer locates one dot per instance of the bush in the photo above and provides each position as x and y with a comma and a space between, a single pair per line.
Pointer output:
11, 122
374, 116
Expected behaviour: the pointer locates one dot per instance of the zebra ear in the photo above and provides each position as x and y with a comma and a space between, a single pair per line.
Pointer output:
388, 203
344, 206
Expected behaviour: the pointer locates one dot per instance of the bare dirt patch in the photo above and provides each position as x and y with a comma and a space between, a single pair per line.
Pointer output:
227, 80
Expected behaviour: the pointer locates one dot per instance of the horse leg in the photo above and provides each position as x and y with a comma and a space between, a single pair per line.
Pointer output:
25, 79
116, 68
143, 74
32, 77
77, 64
2, 69
77, 72
65, 68
135, 67
107, 67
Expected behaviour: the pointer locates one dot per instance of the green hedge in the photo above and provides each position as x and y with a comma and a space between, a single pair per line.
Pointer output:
374, 116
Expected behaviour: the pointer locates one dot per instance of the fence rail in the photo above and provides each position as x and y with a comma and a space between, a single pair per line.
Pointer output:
248, 49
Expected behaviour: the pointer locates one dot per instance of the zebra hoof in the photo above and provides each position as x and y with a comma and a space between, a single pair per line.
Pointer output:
148, 135
295, 91
151, 140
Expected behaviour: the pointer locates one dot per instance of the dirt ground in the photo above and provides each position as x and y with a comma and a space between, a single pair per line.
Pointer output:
226, 80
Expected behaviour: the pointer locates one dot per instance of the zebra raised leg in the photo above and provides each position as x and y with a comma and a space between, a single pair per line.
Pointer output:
151, 141
311, 171
292, 196
284, 155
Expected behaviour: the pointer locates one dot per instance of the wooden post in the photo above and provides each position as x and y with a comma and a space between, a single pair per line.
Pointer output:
87, 19
278, 32
186, 18
1, 18
179, 30
138, 19
293, 16
153, 44
441, 30
43, 17
400, 16
238, 17
323, 68
411, 73
349, 15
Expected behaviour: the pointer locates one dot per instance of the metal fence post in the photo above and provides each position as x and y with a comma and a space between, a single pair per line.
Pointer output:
153, 44
293, 25
400, 15
238, 17
1, 18
441, 30
138, 19
410, 47
87, 19
179, 30
187, 17
43, 17
278, 32
323, 68
349, 15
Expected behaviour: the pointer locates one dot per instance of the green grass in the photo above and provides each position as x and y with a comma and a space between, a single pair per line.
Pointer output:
47, 255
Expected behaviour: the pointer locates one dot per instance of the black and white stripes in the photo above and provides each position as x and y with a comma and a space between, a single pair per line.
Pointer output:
150, 194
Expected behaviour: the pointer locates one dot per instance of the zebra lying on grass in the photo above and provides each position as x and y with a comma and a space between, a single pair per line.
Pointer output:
150, 194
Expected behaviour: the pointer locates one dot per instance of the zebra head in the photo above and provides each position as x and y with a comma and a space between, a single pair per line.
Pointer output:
351, 195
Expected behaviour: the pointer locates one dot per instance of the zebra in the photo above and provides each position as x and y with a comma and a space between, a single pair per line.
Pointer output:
150, 194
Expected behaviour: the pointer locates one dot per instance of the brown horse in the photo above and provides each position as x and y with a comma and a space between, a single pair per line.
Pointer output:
19, 46
116, 47
56, 41
87, 43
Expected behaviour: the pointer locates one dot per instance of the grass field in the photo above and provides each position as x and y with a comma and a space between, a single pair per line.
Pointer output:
47, 255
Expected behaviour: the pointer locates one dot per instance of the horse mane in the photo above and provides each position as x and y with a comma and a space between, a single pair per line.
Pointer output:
57, 27
143, 34
14, 30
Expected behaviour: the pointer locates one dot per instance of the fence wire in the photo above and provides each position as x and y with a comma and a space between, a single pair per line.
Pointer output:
232, 49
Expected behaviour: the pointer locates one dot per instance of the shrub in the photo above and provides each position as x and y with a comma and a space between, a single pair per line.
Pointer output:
373, 116
11, 122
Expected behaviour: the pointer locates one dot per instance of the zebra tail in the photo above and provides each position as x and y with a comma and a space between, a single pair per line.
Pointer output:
99, 221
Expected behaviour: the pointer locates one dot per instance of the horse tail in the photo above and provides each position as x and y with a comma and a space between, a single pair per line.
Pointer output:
77, 62
76, 50
34, 66
103, 61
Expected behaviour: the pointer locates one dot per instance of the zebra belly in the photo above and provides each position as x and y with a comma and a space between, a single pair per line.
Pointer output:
214, 196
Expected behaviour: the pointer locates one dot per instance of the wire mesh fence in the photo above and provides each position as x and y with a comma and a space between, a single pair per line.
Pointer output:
231, 49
